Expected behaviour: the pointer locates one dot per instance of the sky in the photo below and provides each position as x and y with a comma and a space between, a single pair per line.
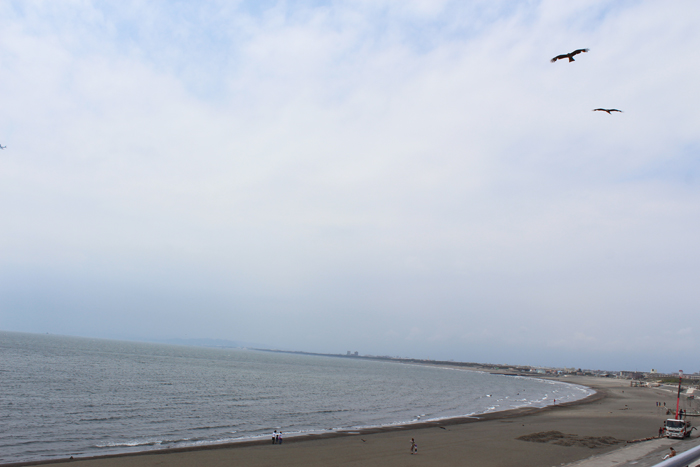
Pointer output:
404, 178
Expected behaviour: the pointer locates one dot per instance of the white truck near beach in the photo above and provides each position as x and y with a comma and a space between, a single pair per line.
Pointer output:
677, 428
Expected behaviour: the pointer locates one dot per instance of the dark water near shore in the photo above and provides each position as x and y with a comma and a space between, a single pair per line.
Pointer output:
65, 396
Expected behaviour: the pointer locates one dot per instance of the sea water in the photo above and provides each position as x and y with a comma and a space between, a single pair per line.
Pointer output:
66, 396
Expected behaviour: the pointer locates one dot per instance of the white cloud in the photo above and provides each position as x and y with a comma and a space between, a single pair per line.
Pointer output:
346, 171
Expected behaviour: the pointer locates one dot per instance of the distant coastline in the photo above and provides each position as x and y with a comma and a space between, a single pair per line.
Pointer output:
507, 370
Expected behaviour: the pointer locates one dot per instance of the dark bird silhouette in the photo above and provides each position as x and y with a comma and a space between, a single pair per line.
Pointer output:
442, 428
570, 55
607, 110
2, 147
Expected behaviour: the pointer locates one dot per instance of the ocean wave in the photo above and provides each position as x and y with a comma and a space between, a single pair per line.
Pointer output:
130, 444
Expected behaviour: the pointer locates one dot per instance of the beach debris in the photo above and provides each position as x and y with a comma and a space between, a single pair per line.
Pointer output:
442, 427
570, 55
564, 439
641, 439
364, 441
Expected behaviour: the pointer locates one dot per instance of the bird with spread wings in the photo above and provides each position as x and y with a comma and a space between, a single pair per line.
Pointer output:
570, 55
2, 147
607, 110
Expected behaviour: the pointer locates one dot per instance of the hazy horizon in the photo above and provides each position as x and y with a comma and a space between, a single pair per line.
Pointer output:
395, 178
267, 347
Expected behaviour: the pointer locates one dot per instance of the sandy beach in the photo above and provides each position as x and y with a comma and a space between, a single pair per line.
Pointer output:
617, 413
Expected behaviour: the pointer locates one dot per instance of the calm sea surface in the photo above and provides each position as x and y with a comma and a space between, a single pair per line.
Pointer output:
66, 396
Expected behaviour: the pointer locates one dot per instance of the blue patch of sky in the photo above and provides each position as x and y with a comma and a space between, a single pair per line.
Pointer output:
682, 169
201, 43
190, 41
455, 22
591, 18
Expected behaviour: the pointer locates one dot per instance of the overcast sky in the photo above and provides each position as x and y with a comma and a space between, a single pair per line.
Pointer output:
409, 178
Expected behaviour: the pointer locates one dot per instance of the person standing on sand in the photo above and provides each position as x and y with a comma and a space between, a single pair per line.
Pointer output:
274, 437
279, 438
414, 447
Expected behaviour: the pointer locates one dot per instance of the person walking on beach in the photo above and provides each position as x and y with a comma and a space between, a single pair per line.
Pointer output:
279, 438
274, 437
414, 447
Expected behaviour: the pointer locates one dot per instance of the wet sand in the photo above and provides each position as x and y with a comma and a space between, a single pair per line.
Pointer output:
599, 424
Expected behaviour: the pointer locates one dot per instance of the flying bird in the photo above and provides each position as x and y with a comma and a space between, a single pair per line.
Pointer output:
607, 110
570, 55
2, 147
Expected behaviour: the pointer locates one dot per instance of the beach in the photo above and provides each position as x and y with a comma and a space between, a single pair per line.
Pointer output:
604, 422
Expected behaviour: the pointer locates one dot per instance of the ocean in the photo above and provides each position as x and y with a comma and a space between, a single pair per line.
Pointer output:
67, 396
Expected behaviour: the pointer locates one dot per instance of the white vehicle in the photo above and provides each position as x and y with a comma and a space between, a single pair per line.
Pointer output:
677, 428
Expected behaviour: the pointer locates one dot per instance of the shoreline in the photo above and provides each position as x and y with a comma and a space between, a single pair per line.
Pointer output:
600, 426
597, 394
